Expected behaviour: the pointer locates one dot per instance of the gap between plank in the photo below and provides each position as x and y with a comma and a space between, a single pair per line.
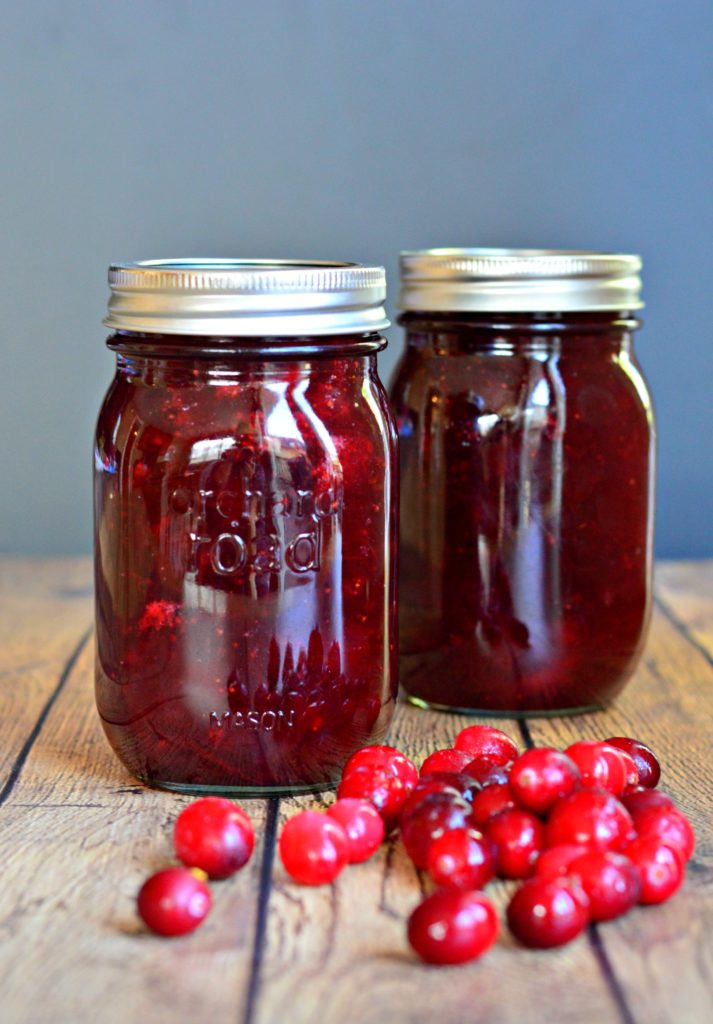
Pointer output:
37, 728
525, 733
612, 982
682, 628
600, 954
268, 857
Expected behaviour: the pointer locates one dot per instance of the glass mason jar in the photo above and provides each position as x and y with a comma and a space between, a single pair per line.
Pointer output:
245, 514
527, 471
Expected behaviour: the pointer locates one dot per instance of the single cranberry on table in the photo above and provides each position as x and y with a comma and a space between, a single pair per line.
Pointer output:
430, 819
590, 817
377, 784
314, 848
597, 766
174, 901
384, 757
644, 758
669, 825
610, 881
488, 771
491, 801
484, 740
453, 783
452, 927
547, 912
445, 761
554, 862
215, 835
661, 869
518, 837
363, 825
640, 798
461, 859
540, 777
632, 771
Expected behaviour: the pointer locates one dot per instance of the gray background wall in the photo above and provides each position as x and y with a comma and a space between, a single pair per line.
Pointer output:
334, 129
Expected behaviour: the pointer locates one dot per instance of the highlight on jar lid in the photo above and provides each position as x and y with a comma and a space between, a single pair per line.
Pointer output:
518, 281
246, 297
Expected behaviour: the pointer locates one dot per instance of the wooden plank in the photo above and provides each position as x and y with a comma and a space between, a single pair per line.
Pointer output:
46, 611
77, 838
339, 953
685, 593
662, 957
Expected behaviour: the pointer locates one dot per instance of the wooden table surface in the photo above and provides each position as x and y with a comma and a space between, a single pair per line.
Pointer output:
78, 835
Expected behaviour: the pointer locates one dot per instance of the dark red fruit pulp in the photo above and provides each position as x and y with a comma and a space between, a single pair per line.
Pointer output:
245, 524
526, 477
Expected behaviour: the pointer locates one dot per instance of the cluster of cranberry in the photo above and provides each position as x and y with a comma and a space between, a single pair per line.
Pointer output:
584, 829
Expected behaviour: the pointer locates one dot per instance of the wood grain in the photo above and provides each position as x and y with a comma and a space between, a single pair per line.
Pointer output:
46, 612
78, 835
663, 956
685, 594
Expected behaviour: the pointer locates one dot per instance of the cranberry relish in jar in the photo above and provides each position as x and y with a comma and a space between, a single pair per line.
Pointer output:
245, 514
526, 438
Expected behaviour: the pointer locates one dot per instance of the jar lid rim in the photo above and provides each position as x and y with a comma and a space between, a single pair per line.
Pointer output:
519, 280
241, 297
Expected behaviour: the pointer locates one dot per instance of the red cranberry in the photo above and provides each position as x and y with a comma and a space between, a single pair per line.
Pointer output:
547, 912
660, 868
670, 826
518, 837
314, 848
490, 802
632, 772
483, 740
174, 901
540, 777
610, 881
385, 757
461, 859
436, 814
643, 757
363, 825
452, 927
455, 783
487, 771
640, 798
377, 784
215, 835
445, 761
590, 817
623, 773
555, 862
597, 766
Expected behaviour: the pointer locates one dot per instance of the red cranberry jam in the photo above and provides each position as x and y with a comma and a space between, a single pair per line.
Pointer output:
245, 524
526, 437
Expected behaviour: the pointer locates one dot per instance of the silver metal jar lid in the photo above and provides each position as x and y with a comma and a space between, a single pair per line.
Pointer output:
518, 281
264, 298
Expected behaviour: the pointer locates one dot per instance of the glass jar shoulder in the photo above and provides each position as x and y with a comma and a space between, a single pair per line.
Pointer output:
592, 376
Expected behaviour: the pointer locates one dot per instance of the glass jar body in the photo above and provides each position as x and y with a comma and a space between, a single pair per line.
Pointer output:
245, 514
527, 470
